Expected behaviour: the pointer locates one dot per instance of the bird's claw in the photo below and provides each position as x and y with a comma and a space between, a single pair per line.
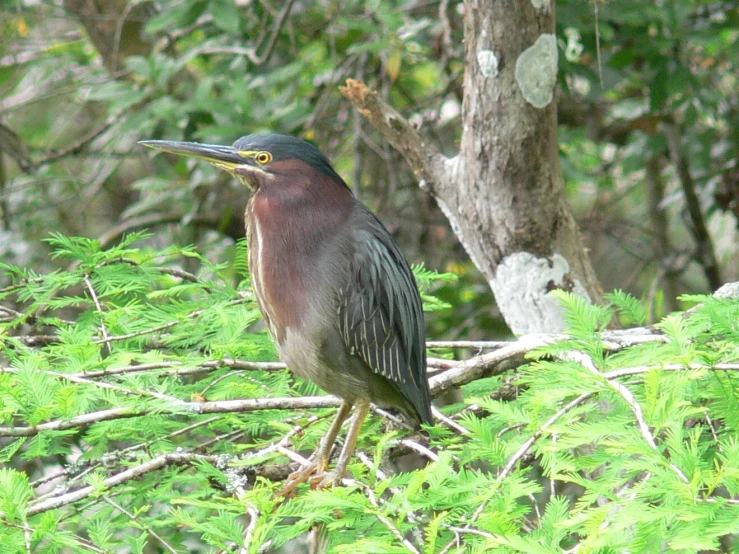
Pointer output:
326, 480
315, 470
297, 477
318, 477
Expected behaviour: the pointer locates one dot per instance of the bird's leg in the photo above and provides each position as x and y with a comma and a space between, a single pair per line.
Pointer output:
323, 452
334, 477
320, 458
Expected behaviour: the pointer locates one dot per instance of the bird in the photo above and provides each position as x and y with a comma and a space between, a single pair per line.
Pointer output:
337, 295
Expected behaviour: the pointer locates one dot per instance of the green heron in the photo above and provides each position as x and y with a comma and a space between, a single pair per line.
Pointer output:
336, 293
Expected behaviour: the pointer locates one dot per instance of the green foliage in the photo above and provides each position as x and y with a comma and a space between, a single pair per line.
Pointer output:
213, 70
425, 279
631, 312
107, 366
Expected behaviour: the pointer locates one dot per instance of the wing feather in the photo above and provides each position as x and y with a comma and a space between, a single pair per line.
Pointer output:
381, 315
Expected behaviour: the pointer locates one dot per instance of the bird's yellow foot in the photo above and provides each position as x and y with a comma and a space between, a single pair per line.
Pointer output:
297, 477
326, 480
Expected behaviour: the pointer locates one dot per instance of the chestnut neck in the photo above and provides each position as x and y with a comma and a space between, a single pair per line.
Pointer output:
293, 217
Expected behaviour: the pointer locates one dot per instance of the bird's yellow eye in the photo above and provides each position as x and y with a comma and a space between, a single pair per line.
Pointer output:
263, 157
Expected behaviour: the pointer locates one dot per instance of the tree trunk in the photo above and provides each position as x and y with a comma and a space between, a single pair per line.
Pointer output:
503, 193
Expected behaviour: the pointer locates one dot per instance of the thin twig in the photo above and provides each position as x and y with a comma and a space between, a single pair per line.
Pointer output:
587, 362
446, 35
392, 417
28, 529
453, 425
516, 457
389, 524
222, 438
629, 487
287, 6
470, 531
597, 43
148, 331
148, 221
109, 386
251, 52
105, 498
473, 344
99, 308
421, 449
209, 365
709, 421
173, 458
281, 444
214, 407
168, 325
79, 145
526, 446
27, 535
294, 456
509, 428
23, 283
637, 370
254, 514
94, 464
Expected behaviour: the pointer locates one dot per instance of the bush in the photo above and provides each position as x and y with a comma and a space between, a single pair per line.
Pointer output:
142, 411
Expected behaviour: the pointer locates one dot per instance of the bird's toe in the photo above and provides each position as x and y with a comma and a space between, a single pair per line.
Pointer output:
327, 480
298, 477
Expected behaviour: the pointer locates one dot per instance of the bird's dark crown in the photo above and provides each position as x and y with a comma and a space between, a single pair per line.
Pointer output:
286, 147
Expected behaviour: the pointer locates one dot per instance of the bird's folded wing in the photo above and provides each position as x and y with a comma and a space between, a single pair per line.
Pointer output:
381, 318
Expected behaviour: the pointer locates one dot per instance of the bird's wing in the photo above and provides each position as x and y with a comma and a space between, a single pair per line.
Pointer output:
381, 315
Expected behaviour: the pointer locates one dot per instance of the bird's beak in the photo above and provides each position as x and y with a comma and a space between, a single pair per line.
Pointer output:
225, 157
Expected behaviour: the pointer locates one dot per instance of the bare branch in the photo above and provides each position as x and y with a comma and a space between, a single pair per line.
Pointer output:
427, 162
473, 344
704, 249
287, 6
459, 373
453, 425
174, 458
199, 408
492, 363
79, 145
420, 449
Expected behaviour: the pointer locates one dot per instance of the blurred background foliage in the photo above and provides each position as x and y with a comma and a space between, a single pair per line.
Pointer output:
648, 111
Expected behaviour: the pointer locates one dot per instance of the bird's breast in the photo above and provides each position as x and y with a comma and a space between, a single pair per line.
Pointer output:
279, 293
288, 265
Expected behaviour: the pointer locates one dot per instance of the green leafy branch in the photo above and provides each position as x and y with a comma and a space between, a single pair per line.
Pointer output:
142, 427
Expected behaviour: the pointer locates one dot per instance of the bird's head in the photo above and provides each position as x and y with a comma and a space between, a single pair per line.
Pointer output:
261, 161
